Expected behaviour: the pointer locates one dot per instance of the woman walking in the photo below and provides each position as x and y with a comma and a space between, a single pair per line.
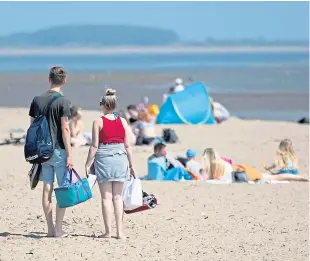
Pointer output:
111, 156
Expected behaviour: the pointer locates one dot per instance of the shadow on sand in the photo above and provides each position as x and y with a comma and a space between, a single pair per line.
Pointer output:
38, 235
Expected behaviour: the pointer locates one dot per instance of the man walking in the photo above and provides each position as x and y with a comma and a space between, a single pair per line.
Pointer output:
57, 116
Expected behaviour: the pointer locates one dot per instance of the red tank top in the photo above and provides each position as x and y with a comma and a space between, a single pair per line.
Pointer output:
112, 131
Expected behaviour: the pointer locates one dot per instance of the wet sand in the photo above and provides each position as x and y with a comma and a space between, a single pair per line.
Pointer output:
234, 88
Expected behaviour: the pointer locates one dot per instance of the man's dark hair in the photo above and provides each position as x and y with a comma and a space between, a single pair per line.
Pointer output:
159, 147
57, 75
131, 107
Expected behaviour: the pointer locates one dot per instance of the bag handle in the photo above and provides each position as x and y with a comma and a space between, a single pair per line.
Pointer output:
79, 178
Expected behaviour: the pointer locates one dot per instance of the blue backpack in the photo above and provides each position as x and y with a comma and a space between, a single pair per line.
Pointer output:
39, 145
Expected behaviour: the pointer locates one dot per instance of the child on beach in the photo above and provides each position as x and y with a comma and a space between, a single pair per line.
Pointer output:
285, 161
78, 138
192, 165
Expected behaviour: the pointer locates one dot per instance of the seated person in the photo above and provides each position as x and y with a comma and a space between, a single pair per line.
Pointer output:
160, 153
172, 168
76, 128
144, 128
286, 160
191, 164
219, 111
132, 114
166, 95
215, 167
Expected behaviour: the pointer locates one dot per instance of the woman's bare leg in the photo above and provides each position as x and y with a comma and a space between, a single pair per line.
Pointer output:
106, 196
284, 177
118, 207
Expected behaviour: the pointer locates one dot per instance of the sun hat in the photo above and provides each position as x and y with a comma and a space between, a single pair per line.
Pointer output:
191, 153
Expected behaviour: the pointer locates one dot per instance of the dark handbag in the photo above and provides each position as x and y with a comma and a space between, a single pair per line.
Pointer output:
239, 177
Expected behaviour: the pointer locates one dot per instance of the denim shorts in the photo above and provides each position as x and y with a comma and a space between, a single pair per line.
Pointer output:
55, 165
288, 171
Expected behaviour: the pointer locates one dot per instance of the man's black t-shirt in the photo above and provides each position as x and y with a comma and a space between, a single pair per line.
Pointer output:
59, 108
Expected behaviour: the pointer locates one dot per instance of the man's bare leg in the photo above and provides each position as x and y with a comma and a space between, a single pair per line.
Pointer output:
47, 208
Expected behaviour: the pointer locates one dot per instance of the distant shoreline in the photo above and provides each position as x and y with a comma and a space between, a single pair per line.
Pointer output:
149, 50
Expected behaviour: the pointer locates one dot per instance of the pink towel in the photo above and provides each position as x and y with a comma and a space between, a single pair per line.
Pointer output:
227, 160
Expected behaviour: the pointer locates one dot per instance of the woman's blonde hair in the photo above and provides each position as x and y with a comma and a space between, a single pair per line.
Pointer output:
284, 154
213, 165
109, 100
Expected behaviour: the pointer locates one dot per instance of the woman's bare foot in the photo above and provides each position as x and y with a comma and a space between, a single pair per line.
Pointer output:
120, 236
106, 235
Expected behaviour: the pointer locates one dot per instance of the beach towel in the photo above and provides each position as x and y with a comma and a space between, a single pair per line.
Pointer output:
157, 170
253, 174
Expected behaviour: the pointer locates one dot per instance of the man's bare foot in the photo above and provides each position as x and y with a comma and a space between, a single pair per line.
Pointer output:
50, 232
106, 235
61, 234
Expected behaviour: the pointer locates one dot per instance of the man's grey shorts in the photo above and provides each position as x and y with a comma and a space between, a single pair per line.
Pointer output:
55, 165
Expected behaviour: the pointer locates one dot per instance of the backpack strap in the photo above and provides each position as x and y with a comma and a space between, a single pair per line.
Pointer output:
47, 108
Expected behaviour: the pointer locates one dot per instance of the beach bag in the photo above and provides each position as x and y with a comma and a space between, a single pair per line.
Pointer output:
239, 176
70, 194
252, 173
39, 145
170, 136
149, 202
133, 194
91, 180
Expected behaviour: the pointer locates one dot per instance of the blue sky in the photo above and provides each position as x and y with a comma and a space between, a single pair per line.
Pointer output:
192, 20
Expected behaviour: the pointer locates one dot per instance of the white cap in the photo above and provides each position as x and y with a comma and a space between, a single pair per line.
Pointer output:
178, 81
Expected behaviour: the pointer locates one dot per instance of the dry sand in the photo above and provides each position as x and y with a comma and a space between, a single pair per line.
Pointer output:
194, 221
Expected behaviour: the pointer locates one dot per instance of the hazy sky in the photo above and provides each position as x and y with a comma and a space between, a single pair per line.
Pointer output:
192, 20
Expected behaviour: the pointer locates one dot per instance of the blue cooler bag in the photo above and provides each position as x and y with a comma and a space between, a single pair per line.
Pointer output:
70, 194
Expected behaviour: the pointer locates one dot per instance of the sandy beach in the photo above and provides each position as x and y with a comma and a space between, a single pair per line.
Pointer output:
194, 221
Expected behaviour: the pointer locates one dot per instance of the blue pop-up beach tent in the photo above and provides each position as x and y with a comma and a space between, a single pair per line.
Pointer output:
191, 106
